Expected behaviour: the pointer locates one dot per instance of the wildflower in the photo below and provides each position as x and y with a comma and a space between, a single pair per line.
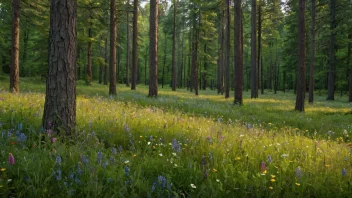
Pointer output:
85, 159
120, 149
58, 159
112, 160
126, 128
93, 133
126, 170
11, 159
193, 186
99, 158
151, 138
262, 167
53, 140
217, 180
298, 172
344, 172
3, 169
114, 151
174, 154
214, 170
271, 188
210, 156
209, 139
330, 133
154, 186
270, 159
176, 146
105, 164
148, 143
79, 170
20, 127
272, 180
162, 181
237, 158
127, 161
160, 154
59, 176
284, 155
204, 161
22, 138
298, 184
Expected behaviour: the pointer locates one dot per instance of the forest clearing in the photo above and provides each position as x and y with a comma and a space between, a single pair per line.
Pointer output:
175, 98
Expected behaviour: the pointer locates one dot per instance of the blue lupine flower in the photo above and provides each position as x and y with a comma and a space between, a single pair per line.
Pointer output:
58, 159
22, 137
210, 156
105, 164
151, 138
154, 186
176, 146
298, 172
120, 149
112, 159
162, 181
126, 128
85, 159
93, 133
59, 176
20, 127
114, 151
99, 158
270, 159
79, 170
72, 176
204, 162
127, 170
344, 172
109, 179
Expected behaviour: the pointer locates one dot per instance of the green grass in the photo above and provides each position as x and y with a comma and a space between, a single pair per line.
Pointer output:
221, 146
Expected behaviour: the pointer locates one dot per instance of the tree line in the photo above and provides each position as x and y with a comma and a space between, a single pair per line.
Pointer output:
223, 45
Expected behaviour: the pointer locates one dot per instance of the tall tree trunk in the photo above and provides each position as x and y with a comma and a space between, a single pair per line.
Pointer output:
128, 50
173, 78
135, 46
332, 49
220, 79
60, 100
259, 49
15, 52
205, 67
262, 74
145, 66
227, 50
348, 64
164, 65
238, 50
254, 88
106, 61
25, 47
112, 86
195, 54
301, 69
89, 65
153, 50
312, 54
100, 64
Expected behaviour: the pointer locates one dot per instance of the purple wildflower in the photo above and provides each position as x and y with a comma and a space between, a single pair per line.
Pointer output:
99, 158
154, 186
85, 159
114, 151
298, 172
204, 161
11, 159
262, 166
270, 159
127, 170
58, 159
162, 181
344, 172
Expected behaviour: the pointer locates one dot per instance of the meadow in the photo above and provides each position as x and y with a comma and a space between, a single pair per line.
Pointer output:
176, 145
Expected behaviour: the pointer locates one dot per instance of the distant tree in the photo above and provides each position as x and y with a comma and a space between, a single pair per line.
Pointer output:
312, 53
128, 50
112, 86
349, 51
173, 77
60, 99
254, 77
259, 48
332, 51
301, 69
238, 45
135, 46
15, 52
153, 49
195, 32
227, 49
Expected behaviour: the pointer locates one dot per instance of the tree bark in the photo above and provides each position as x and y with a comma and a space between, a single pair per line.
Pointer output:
312, 54
15, 52
238, 50
332, 49
195, 54
301, 69
153, 49
127, 50
60, 100
112, 86
135, 46
259, 49
254, 88
348, 64
89, 66
227, 50
106, 61
173, 80
164, 62
221, 55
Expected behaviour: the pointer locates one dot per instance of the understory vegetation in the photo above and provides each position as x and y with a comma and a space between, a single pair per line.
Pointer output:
176, 145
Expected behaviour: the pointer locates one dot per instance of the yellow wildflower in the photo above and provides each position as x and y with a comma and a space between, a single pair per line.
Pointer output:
214, 170
271, 188
273, 180
3, 169
298, 184
237, 158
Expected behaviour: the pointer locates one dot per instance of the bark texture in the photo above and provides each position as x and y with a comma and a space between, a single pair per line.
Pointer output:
312, 54
153, 49
301, 69
112, 86
227, 50
60, 100
135, 46
254, 77
238, 45
173, 79
15, 51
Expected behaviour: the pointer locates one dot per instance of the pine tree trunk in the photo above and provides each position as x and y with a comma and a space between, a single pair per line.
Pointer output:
128, 50
60, 100
349, 64
238, 49
106, 61
221, 55
259, 50
164, 63
112, 86
25, 47
227, 50
301, 69
195, 55
15, 52
173, 80
254, 88
100, 64
153, 49
332, 49
135, 46
89, 66
312, 54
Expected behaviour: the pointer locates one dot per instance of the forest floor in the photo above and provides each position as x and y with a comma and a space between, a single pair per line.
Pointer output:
176, 145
